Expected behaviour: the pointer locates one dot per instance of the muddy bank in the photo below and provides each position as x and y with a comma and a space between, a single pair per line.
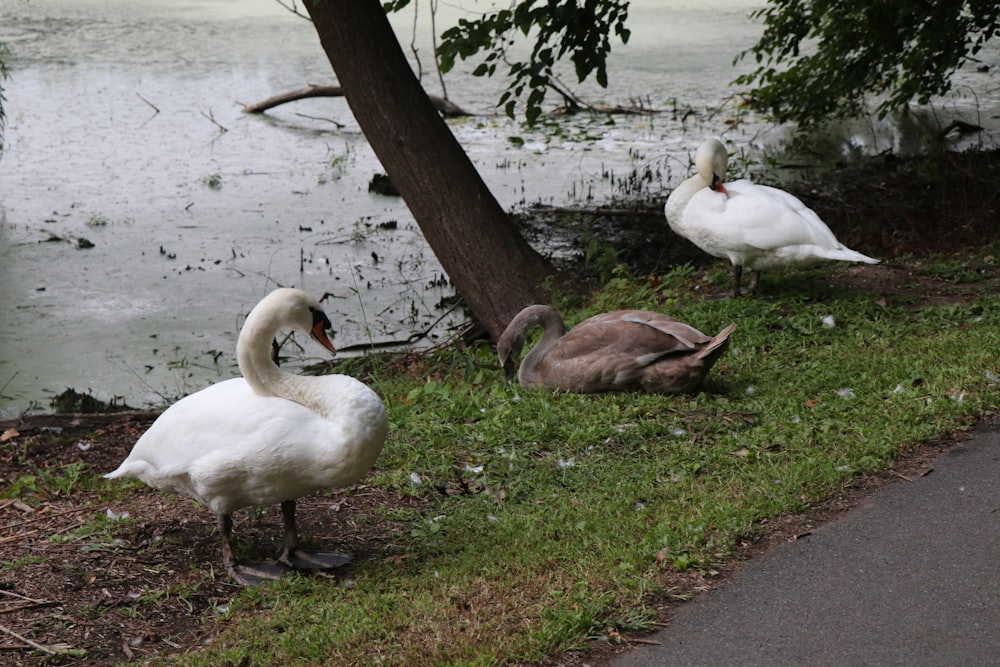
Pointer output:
892, 207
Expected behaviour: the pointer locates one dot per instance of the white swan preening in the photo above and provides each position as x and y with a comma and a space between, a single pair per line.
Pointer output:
268, 437
625, 350
755, 226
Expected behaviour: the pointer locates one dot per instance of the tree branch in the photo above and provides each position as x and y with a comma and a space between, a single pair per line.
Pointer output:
445, 107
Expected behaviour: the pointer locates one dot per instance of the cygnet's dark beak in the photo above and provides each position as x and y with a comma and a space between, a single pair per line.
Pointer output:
509, 370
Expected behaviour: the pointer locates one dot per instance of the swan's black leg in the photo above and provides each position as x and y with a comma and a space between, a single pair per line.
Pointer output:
293, 557
225, 523
735, 293
249, 574
291, 542
752, 288
737, 278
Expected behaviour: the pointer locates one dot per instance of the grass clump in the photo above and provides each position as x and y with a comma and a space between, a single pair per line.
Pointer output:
549, 520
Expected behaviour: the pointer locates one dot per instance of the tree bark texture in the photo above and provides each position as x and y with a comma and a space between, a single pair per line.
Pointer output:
487, 260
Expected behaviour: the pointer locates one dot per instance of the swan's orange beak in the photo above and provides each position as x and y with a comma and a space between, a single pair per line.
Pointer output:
717, 186
319, 335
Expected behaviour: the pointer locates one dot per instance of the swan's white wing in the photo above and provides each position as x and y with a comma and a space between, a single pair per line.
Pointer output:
187, 429
760, 227
228, 447
768, 218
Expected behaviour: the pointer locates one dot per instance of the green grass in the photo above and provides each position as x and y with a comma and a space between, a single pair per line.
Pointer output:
553, 518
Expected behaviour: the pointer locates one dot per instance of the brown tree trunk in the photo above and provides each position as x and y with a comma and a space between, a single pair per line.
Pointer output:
491, 266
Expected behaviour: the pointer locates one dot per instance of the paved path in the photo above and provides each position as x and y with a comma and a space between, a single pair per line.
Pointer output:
912, 578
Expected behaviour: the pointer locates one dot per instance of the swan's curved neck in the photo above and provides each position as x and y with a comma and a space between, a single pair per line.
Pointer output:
710, 163
253, 353
682, 194
553, 328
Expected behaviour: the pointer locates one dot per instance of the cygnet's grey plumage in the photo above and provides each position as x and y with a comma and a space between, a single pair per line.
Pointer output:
624, 350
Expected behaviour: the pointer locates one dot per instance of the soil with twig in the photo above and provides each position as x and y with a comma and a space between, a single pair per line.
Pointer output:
140, 574
78, 579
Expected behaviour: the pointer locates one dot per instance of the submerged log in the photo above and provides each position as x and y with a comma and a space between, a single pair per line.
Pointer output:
293, 95
444, 106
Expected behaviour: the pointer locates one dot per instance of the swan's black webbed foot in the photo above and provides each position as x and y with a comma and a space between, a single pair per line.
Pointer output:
320, 560
736, 291
247, 574
293, 557
254, 574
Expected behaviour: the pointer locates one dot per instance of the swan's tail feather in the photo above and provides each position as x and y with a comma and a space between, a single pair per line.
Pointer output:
812, 254
711, 352
129, 468
848, 255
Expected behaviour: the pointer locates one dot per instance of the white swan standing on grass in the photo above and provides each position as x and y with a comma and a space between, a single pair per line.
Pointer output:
268, 437
755, 226
624, 350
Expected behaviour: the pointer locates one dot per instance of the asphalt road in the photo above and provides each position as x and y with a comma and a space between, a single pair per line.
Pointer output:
912, 577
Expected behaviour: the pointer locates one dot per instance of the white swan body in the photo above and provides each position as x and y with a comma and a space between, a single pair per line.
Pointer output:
269, 437
266, 451
751, 225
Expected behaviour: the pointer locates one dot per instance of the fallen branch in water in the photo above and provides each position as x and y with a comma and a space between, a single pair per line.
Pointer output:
960, 127
154, 107
444, 106
615, 109
651, 211
211, 116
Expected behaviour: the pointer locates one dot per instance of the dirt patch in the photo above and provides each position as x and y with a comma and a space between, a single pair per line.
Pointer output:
139, 575
913, 284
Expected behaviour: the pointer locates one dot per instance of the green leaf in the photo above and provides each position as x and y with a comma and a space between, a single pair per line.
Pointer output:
556, 29
898, 52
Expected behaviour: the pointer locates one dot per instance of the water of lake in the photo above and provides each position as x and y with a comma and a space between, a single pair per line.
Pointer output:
142, 213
